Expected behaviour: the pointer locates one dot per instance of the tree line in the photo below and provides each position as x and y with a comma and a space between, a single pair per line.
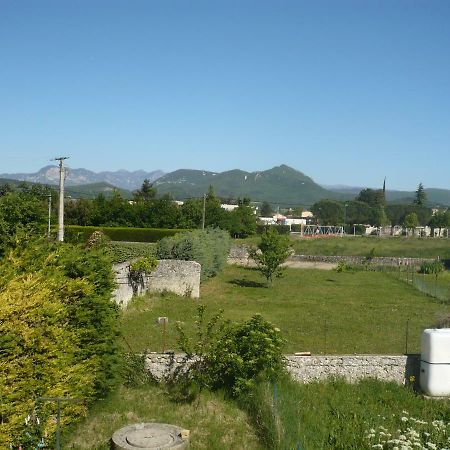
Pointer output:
370, 207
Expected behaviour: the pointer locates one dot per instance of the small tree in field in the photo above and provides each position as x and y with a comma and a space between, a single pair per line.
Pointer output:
272, 251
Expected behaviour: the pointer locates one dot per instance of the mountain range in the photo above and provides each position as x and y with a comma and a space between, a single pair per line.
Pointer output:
123, 179
281, 185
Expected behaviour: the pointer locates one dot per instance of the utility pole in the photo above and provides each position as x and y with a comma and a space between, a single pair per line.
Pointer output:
204, 211
61, 197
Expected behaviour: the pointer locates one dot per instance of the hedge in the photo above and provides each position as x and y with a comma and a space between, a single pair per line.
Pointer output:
76, 233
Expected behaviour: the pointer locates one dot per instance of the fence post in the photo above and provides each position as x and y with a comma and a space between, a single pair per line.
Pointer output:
406, 337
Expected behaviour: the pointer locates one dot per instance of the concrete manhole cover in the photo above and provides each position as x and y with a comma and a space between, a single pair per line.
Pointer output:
150, 436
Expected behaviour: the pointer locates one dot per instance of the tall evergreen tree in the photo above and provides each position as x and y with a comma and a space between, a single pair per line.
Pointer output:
421, 195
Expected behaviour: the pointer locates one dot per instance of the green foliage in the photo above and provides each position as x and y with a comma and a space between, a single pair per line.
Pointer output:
280, 229
411, 220
139, 268
434, 267
146, 193
337, 415
233, 356
421, 195
20, 212
273, 251
126, 251
266, 209
328, 212
59, 330
208, 247
242, 222
397, 213
76, 233
375, 198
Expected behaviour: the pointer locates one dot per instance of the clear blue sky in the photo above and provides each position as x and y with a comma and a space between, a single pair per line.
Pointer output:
345, 91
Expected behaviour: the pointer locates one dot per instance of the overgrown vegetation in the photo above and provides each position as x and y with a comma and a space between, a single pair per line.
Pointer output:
208, 247
232, 356
337, 415
434, 267
58, 334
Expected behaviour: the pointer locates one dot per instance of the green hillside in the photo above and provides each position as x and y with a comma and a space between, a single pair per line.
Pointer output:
280, 184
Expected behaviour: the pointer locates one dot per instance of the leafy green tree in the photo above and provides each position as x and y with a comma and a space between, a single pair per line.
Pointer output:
266, 209
411, 221
421, 195
378, 217
397, 213
20, 211
357, 212
373, 197
242, 222
192, 213
328, 212
274, 249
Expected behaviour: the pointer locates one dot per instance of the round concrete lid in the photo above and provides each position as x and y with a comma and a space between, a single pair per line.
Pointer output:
149, 436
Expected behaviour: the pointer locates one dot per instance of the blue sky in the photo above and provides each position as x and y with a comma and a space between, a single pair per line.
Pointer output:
345, 91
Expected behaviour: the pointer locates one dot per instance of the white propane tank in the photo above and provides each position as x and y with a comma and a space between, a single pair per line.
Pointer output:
435, 362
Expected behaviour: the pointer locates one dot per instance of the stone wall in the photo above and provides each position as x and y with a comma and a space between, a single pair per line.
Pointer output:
179, 277
354, 367
239, 256
306, 369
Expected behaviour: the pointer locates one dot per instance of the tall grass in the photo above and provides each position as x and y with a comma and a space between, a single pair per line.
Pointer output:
335, 414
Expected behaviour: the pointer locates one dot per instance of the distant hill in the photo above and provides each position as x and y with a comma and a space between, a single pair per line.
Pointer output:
282, 184
123, 179
82, 191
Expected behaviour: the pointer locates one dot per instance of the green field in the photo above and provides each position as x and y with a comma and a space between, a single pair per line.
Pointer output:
318, 311
384, 246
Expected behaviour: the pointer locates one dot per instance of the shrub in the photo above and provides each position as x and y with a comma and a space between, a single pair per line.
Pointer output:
433, 267
58, 333
233, 356
75, 233
296, 227
208, 247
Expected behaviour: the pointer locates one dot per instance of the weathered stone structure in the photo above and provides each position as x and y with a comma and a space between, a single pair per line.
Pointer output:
239, 256
179, 277
305, 369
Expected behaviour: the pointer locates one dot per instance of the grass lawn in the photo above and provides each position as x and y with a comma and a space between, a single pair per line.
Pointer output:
384, 246
361, 246
214, 422
318, 311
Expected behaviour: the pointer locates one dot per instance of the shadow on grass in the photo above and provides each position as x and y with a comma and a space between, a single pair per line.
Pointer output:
242, 282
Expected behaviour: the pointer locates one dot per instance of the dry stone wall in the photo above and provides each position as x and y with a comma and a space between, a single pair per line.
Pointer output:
239, 256
306, 369
179, 277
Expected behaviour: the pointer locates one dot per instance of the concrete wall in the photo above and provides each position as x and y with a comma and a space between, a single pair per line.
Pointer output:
179, 277
306, 369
